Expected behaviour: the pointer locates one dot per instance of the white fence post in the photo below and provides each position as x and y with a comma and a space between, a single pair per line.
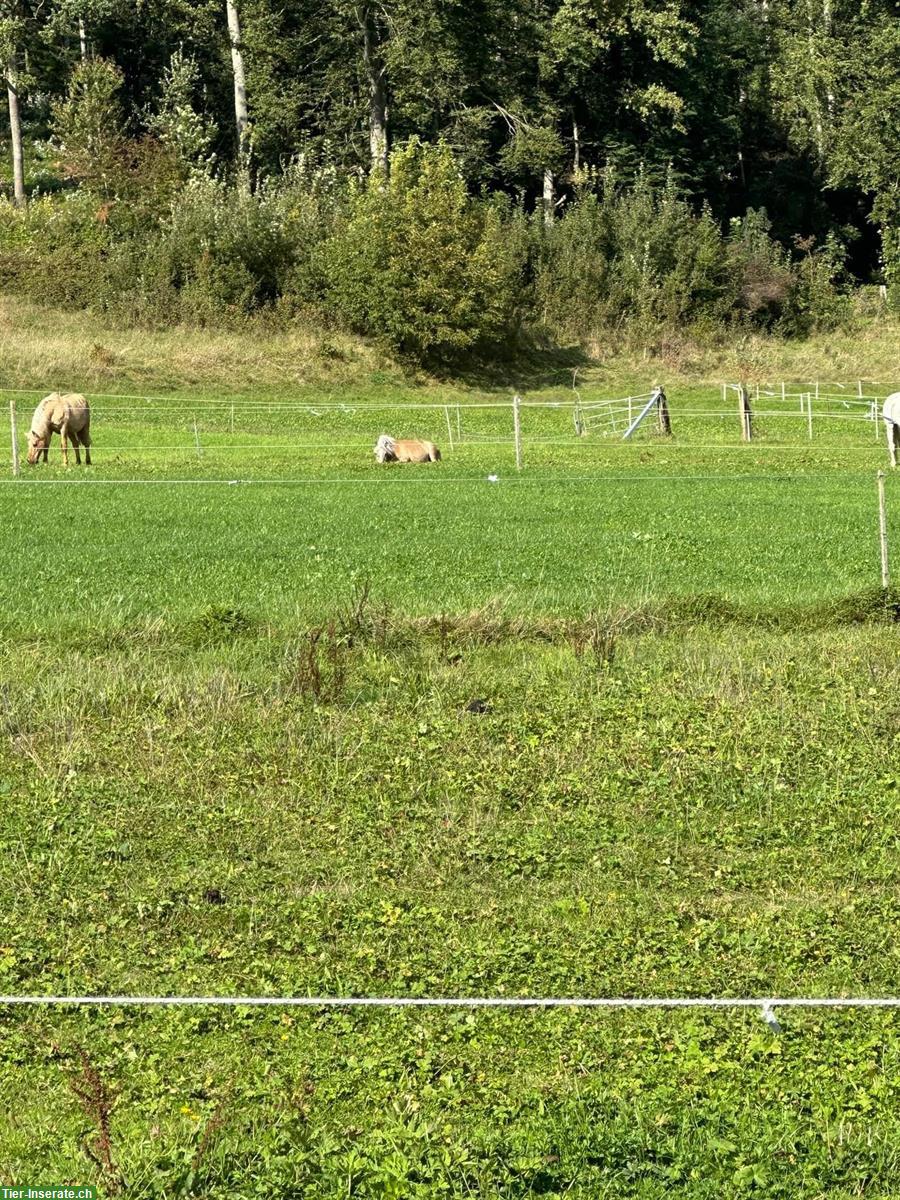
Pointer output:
197, 439
14, 437
517, 429
449, 426
809, 412
882, 533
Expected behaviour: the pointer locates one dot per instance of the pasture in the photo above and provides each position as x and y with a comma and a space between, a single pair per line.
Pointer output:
280, 511
277, 720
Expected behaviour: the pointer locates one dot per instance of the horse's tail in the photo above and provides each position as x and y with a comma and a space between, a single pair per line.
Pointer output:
435, 454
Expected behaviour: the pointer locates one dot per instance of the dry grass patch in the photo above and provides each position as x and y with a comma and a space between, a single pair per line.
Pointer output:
55, 347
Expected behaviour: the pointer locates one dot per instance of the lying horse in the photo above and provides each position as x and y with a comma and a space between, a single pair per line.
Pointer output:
891, 413
388, 449
67, 414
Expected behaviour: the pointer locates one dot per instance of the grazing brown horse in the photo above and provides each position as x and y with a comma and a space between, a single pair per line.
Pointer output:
388, 449
67, 414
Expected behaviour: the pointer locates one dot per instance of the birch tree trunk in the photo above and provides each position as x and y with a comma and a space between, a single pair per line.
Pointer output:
82, 38
378, 107
240, 83
814, 84
15, 131
549, 197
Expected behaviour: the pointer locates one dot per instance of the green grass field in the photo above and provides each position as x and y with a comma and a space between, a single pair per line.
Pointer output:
622, 724
283, 522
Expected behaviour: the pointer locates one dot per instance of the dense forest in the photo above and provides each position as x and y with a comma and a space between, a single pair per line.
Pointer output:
446, 174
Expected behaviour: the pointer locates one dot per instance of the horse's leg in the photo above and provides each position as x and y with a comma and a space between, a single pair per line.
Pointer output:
76, 444
86, 442
64, 438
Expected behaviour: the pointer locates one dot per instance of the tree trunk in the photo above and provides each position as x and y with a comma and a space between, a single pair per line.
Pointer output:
15, 132
814, 84
576, 157
378, 108
240, 84
549, 197
82, 38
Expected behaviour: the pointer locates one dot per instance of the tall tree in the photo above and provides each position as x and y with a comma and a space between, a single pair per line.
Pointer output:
374, 66
241, 115
15, 130
837, 91
11, 29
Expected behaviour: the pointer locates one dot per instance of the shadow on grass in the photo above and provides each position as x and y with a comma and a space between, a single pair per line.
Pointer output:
526, 366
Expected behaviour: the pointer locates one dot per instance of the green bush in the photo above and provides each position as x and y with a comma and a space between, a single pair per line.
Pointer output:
412, 259
218, 253
641, 257
765, 284
421, 265
57, 250
637, 255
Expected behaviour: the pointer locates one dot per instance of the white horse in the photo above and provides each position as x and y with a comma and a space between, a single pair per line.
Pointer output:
890, 411
388, 449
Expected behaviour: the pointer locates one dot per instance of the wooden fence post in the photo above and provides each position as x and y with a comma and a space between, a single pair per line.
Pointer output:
664, 421
578, 419
14, 437
745, 413
517, 430
882, 533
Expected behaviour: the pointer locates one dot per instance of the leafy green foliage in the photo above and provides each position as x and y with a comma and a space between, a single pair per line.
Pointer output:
642, 254
88, 126
421, 265
177, 122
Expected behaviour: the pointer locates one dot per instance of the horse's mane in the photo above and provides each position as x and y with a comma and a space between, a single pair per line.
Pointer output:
384, 446
40, 422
